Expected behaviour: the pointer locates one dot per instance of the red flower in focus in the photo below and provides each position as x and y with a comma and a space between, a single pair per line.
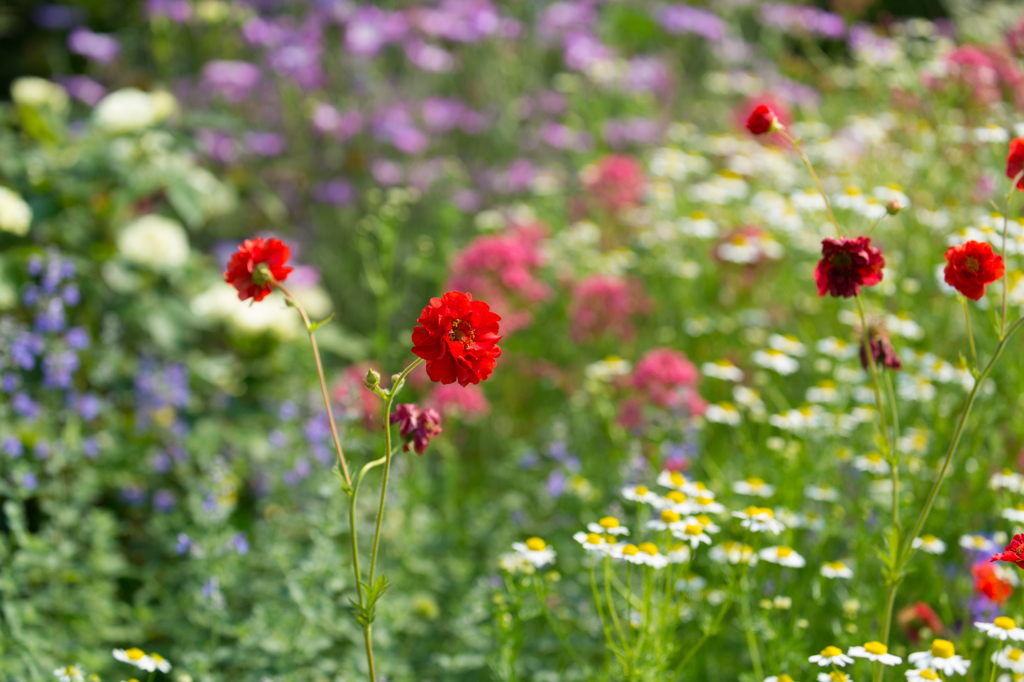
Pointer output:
244, 272
1015, 160
458, 337
617, 181
762, 120
1014, 552
847, 265
917, 617
972, 266
417, 426
988, 583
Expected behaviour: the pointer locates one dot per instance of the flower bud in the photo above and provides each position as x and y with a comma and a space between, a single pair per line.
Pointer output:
372, 378
893, 207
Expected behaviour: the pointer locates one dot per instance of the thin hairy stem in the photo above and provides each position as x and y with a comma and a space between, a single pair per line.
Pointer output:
970, 332
807, 162
869, 353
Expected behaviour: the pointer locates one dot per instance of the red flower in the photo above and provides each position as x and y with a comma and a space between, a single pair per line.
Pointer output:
1015, 160
988, 583
971, 266
458, 337
915, 618
846, 265
244, 272
1014, 552
416, 426
762, 120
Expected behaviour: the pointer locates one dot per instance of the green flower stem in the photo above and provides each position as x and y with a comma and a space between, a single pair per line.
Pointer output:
1006, 221
970, 333
542, 598
755, 653
807, 162
866, 345
614, 612
600, 613
355, 553
894, 460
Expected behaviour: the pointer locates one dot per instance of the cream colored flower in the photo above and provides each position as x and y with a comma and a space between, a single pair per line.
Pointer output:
15, 214
154, 241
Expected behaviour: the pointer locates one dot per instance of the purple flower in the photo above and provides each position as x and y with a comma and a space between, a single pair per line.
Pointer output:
278, 439
440, 115
416, 426
583, 49
410, 140
647, 74
58, 17
299, 58
89, 406
262, 33
84, 89
133, 495
264, 144
317, 429
564, 16
30, 297
178, 11
803, 19
35, 265
233, 80
386, 173
288, 411
25, 406
427, 57
24, 349
184, 544
369, 29
217, 145
239, 543
682, 19
164, 501
161, 462
10, 382
561, 137
51, 318
77, 338
99, 47
337, 192
29, 481
620, 133
462, 21
41, 449
71, 295
91, 447
555, 485
12, 446
343, 125
58, 368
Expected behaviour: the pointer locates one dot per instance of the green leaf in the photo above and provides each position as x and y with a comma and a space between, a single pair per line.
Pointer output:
316, 325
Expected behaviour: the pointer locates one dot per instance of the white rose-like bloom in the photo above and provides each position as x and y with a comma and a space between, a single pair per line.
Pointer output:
220, 302
128, 110
39, 93
154, 241
15, 214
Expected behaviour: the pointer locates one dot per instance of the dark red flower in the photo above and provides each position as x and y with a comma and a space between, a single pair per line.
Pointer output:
417, 426
762, 120
1015, 160
881, 347
1014, 552
847, 265
915, 618
972, 266
988, 583
458, 337
244, 272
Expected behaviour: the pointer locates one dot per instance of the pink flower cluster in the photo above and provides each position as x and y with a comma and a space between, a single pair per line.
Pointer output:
617, 182
604, 304
502, 269
666, 379
986, 72
467, 403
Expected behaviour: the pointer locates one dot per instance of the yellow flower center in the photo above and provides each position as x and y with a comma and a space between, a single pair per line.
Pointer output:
874, 457
704, 520
836, 565
676, 497
831, 652
593, 539
157, 657
669, 516
928, 674
704, 501
876, 648
536, 544
641, 490
677, 478
755, 482
751, 511
700, 486
928, 539
1014, 654
783, 552
942, 648
648, 547
838, 677
693, 530
1004, 623
135, 654
630, 550
784, 678
609, 522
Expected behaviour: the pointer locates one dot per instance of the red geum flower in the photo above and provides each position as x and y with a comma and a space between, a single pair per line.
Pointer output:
988, 583
972, 266
917, 617
1015, 160
847, 265
1014, 552
458, 337
417, 426
762, 120
244, 271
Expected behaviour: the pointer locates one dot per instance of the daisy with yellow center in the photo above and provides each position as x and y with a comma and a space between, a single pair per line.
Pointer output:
134, 656
829, 656
722, 369
69, 673
650, 556
733, 553
978, 543
640, 493
753, 486
1010, 658
609, 525
873, 463
875, 651
705, 504
930, 544
679, 553
592, 542
834, 676
783, 556
535, 551
667, 520
779, 678
941, 656
759, 519
1002, 628
692, 531
1015, 513
836, 569
926, 674
672, 479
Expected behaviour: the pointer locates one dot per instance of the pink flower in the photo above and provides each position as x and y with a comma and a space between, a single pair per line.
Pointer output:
667, 378
466, 403
502, 269
604, 304
986, 73
355, 400
617, 182
416, 426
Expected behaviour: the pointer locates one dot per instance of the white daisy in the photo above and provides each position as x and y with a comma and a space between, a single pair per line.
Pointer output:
672, 479
679, 553
668, 520
649, 556
69, 673
1002, 628
753, 486
824, 392
133, 656
1015, 513
930, 544
1006, 480
834, 676
779, 678
676, 501
1009, 658
872, 463
782, 555
536, 551
163, 665
978, 543
942, 657
733, 553
787, 344
926, 674
830, 655
875, 651
592, 542
639, 493
706, 505
776, 360
722, 413
609, 525
836, 348
836, 569
821, 493
722, 369
692, 532
759, 519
